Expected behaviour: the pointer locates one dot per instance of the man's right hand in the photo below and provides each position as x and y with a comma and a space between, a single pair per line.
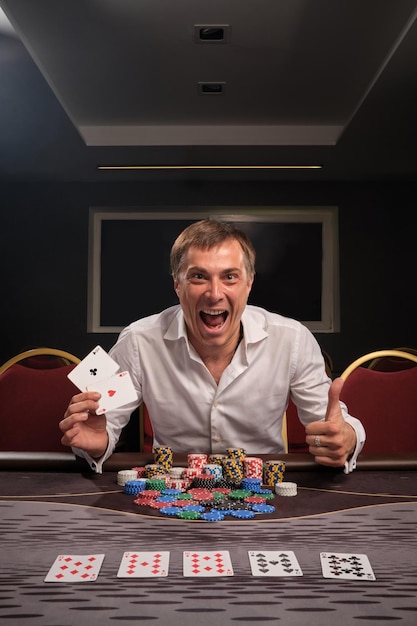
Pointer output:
82, 428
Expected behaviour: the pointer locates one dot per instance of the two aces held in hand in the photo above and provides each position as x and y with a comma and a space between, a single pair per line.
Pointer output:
98, 372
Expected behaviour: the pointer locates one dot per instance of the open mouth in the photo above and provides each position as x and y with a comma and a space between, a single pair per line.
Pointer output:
213, 319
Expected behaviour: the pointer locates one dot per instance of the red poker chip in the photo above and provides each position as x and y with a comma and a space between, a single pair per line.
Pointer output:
150, 493
181, 503
154, 504
144, 501
255, 500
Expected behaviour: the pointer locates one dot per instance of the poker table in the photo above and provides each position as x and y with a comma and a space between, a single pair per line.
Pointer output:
53, 504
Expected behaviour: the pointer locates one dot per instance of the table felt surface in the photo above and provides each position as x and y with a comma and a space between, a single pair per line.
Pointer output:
372, 512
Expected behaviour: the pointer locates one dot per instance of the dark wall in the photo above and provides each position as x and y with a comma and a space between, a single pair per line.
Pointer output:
44, 256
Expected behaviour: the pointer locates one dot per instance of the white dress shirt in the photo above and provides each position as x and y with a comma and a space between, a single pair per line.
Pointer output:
277, 358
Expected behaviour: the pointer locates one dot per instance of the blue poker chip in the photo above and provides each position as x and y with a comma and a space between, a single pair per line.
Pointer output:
166, 499
194, 507
212, 516
263, 508
172, 511
243, 514
171, 492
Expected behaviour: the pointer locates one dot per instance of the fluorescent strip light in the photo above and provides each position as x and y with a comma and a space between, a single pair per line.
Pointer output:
209, 167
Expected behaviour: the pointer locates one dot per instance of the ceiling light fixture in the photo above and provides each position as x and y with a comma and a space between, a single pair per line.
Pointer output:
209, 167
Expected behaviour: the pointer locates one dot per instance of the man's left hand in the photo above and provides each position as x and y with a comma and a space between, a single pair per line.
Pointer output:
333, 441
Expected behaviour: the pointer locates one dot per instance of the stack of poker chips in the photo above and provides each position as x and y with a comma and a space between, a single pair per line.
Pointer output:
252, 484
274, 472
216, 458
125, 475
232, 470
155, 470
253, 467
232, 465
236, 453
134, 487
286, 489
214, 470
163, 456
197, 461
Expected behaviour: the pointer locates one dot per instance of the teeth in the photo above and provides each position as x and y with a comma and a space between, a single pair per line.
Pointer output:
214, 312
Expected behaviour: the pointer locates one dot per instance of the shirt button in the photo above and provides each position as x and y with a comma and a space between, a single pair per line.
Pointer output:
215, 405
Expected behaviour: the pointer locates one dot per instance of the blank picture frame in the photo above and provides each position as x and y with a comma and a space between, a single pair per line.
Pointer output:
297, 261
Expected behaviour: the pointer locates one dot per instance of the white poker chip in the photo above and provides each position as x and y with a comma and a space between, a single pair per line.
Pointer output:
125, 475
286, 489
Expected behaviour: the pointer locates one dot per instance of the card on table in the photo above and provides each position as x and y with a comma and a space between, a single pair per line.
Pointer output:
115, 392
75, 568
200, 563
347, 566
274, 563
144, 565
96, 366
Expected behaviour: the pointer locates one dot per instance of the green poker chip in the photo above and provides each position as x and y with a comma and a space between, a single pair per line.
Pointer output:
189, 515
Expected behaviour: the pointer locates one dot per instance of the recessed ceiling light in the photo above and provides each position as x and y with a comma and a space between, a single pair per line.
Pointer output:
211, 33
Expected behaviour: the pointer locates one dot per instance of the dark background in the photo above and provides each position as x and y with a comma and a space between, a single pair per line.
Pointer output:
44, 256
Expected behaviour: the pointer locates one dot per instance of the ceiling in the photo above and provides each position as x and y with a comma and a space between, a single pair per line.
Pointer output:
144, 83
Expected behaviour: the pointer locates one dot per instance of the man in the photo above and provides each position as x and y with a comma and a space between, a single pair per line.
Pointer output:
215, 372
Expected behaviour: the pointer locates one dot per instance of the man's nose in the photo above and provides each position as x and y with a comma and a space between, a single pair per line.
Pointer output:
214, 288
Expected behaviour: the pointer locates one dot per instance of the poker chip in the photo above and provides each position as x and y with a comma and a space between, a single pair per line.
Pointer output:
166, 499
263, 508
240, 494
150, 493
125, 475
212, 516
148, 502
255, 500
153, 504
198, 508
171, 492
266, 493
172, 511
185, 496
243, 514
286, 489
133, 487
155, 484
189, 515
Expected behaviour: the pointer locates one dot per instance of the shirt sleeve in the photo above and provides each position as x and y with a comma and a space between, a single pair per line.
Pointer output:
350, 464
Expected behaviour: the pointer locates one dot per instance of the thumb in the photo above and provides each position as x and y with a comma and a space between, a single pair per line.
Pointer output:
333, 412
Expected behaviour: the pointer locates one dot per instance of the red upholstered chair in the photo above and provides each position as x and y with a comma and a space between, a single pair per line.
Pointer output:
145, 429
34, 393
391, 363
385, 402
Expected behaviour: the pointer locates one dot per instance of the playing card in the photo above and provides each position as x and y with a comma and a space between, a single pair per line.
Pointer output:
115, 391
345, 565
96, 366
274, 563
143, 565
74, 568
197, 563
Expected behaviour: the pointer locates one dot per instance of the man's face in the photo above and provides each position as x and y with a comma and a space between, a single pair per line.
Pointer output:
213, 290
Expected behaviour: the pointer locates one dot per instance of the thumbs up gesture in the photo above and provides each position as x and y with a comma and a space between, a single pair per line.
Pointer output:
331, 442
